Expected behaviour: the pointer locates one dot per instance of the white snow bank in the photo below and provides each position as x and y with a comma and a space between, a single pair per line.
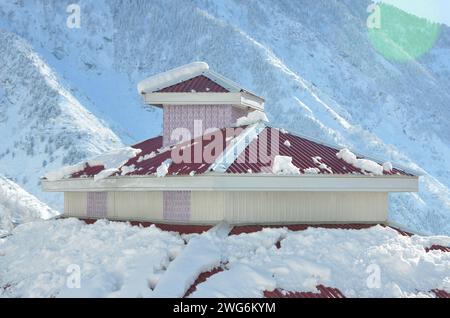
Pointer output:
171, 77
241, 281
184, 270
283, 165
374, 262
111, 161
365, 165
18, 206
163, 168
117, 259
252, 118
114, 258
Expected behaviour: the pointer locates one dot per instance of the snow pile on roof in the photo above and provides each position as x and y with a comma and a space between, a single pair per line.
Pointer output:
172, 77
318, 162
146, 157
287, 143
283, 165
111, 161
18, 206
365, 165
163, 169
116, 260
387, 166
311, 171
252, 118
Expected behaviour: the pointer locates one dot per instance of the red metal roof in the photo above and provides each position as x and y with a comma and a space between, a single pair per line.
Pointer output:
199, 84
300, 149
190, 149
147, 146
257, 157
441, 293
324, 292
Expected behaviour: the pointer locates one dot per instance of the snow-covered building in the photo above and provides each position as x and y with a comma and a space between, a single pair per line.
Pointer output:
219, 159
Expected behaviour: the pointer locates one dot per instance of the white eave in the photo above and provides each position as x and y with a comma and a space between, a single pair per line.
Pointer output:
242, 99
240, 182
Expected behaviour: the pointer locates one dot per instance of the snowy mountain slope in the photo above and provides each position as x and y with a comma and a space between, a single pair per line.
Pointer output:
312, 62
17, 206
42, 125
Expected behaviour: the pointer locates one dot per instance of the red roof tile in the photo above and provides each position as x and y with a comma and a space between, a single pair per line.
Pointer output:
199, 84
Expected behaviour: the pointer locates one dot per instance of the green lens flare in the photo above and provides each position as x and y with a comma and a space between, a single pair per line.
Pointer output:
400, 36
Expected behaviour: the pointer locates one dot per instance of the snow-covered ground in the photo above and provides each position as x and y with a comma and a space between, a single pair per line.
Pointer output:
18, 206
44, 258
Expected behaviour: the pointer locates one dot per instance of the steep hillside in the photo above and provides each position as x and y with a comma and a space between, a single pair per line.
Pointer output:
42, 125
17, 206
314, 63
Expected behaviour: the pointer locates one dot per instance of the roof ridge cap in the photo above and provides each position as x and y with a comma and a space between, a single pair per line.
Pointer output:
237, 146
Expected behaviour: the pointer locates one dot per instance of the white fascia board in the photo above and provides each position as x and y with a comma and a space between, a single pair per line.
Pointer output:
239, 99
252, 101
236, 182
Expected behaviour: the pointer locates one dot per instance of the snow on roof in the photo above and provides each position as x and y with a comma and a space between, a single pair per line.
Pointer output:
372, 261
198, 84
110, 162
239, 156
195, 77
171, 77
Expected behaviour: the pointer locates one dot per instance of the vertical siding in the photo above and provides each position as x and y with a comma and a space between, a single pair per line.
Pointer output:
207, 207
244, 207
141, 206
211, 116
289, 207
75, 204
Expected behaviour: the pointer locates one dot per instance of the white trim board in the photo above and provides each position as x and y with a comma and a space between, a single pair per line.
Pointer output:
241, 99
229, 182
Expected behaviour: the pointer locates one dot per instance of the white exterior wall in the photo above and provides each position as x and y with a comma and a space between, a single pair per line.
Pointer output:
126, 205
290, 207
210, 207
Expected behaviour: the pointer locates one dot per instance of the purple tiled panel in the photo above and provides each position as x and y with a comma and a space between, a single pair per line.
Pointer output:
198, 118
97, 205
177, 205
